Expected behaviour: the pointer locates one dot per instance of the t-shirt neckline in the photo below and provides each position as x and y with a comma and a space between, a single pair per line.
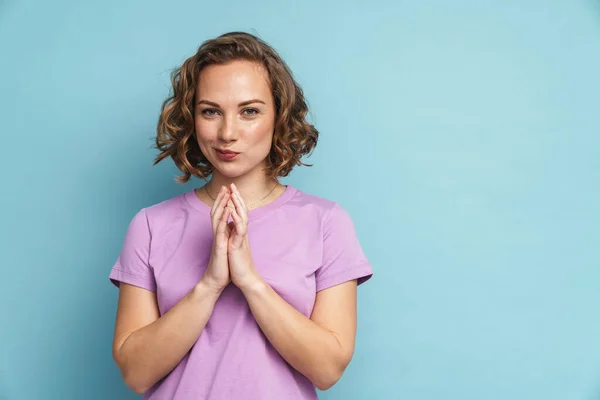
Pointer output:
193, 200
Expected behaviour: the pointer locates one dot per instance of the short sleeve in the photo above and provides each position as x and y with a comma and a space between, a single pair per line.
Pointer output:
343, 257
132, 265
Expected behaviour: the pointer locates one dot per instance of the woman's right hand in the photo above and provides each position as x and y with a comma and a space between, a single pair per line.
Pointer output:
216, 275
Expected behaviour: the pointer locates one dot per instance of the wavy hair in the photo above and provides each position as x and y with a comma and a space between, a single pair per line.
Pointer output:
293, 136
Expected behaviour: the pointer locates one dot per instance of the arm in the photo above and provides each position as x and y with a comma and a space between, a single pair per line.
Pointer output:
320, 347
147, 347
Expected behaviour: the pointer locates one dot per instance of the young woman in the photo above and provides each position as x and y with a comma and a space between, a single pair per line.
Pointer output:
244, 288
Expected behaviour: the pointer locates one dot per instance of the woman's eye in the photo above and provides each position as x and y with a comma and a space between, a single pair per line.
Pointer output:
208, 111
254, 111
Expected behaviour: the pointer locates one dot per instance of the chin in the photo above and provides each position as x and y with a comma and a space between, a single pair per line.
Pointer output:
232, 171
231, 174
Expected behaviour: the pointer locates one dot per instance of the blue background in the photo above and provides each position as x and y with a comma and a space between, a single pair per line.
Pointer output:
462, 136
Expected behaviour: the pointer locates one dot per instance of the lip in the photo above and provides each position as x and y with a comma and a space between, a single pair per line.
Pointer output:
226, 155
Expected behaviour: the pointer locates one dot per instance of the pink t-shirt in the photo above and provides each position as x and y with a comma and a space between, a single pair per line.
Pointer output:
300, 244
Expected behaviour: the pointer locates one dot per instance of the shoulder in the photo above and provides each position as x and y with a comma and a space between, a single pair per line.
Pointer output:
305, 199
159, 214
325, 208
167, 206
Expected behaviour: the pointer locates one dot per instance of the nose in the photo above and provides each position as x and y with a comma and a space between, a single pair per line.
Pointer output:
228, 129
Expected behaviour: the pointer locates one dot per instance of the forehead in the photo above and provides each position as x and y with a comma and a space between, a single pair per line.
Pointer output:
232, 81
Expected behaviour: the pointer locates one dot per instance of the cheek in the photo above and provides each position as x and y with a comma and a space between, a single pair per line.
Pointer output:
260, 144
202, 129
205, 134
261, 134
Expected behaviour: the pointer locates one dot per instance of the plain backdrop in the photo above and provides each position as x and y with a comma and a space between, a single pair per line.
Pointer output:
463, 137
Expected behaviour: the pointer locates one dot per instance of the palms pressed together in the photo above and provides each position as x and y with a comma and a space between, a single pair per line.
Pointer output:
231, 259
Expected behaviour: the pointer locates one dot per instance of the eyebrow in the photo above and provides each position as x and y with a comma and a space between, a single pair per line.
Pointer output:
243, 103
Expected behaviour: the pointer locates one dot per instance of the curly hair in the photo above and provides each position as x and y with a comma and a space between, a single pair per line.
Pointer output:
293, 136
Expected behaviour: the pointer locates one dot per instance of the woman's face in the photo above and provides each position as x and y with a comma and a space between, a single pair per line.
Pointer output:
234, 117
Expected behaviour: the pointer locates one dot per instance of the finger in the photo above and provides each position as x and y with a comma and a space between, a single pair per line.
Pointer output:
216, 202
220, 209
235, 190
222, 223
230, 204
239, 207
240, 224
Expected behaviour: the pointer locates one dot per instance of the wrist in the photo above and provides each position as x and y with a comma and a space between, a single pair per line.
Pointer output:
256, 285
206, 285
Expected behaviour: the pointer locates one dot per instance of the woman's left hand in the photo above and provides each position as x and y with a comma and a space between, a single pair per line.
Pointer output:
241, 267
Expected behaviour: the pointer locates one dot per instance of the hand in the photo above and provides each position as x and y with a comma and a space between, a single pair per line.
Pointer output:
217, 275
241, 267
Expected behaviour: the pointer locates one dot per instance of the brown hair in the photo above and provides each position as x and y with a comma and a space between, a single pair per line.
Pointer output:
293, 136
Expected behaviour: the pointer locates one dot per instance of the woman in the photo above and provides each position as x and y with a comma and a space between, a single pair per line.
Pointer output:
245, 288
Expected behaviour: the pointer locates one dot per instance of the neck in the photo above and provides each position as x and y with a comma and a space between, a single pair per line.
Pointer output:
252, 187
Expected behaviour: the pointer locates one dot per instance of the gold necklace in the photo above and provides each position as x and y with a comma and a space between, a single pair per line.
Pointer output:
247, 204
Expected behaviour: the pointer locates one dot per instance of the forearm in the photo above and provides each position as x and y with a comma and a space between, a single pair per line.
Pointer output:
150, 353
312, 350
